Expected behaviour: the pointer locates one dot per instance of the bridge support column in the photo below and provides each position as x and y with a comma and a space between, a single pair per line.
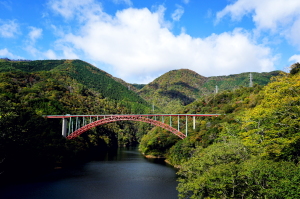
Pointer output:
178, 122
186, 126
64, 127
194, 123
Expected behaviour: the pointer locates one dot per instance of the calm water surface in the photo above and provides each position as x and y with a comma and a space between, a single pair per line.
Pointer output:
119, 175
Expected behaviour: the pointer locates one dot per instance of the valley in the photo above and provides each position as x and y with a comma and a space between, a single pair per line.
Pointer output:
251, 150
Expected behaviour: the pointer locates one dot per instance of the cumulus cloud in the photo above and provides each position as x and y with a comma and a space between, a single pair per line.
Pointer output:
295, 58
127, 2
50, 54
266, 14
9, 28
294, 33
177, 14
138, 45
5, 53
278, 16
31, 47
69, 9
34, 34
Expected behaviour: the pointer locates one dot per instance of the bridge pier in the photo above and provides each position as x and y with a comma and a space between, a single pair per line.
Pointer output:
186, 125
64, 127
178, 122
194, 123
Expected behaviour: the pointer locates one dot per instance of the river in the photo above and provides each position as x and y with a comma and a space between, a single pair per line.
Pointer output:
123, 174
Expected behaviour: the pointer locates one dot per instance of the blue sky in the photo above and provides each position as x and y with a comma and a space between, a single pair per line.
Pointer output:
139, 40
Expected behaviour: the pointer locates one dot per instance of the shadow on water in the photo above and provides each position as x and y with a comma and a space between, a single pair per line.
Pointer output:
128, 153
122, 173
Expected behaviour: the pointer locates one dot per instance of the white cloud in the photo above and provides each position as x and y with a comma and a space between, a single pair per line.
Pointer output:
34, 34
295, 58
6, 4
4, 53
9, 29
69, 52
294, 33
76, 8
177, 14
186, 1
139, 46
32, 50
127, 2
29, 46
266, 14
50, 54
279, 16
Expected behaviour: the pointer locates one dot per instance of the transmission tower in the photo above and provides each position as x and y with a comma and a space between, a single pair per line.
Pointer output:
250, 83
153, 108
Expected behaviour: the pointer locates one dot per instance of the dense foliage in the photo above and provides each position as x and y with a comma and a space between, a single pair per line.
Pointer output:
85, 74
178, 88
256, 151
47, 88
251, 151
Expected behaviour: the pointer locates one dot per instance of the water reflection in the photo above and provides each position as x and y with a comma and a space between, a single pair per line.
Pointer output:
123, 173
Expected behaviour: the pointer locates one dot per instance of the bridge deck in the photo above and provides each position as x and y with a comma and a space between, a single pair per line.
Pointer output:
144, 115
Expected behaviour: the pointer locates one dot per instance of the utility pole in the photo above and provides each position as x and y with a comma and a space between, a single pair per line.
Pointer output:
250, 83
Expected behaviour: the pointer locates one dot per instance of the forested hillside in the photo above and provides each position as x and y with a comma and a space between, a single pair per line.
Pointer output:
27, 92
178, 88
251, 152
230, 82
173, 89
84, 73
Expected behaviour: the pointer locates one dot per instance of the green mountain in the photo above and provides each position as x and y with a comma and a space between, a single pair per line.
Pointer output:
231, 82
173, 89
31, 89
252, 151
181, 87
85, 74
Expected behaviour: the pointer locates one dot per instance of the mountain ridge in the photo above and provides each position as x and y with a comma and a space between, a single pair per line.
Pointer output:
167, 92
84, 73
181, 87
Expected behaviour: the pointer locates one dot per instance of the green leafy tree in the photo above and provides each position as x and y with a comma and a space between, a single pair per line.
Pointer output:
273, 125
212, 172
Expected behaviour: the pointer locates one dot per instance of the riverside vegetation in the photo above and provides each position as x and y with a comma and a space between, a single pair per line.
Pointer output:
31, 144
252, 151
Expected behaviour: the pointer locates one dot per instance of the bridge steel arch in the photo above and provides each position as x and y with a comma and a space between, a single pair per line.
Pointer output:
124, 118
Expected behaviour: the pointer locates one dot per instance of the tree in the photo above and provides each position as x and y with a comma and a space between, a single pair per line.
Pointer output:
274, 124
213, 171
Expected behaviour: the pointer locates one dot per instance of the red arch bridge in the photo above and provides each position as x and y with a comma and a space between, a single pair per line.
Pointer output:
74, 125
